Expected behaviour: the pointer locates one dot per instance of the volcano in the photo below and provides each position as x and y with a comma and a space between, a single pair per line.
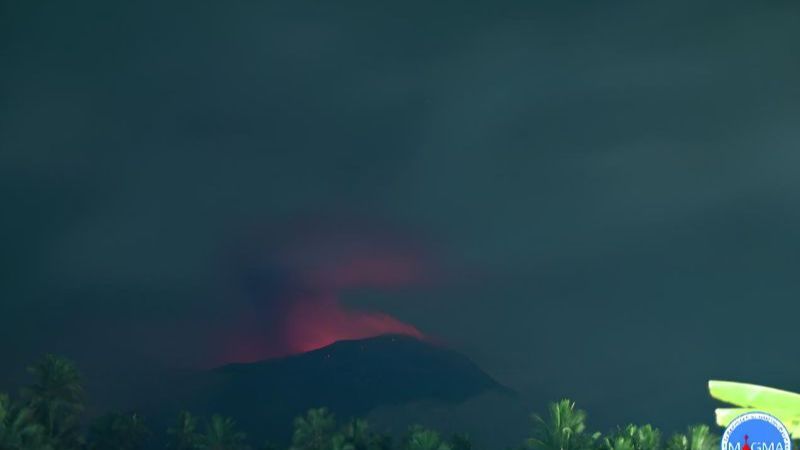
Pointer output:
350, 378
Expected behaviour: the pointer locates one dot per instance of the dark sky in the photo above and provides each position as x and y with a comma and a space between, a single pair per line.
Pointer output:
592, 199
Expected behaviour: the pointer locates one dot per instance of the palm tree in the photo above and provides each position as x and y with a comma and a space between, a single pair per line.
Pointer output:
420, 438
460, 441
56, 399
618, 442
382, 441
184, 435
221, 434
340, 442
117, 431
314, 431
565, 429
358, 435
644, 437
698, 437
18, 431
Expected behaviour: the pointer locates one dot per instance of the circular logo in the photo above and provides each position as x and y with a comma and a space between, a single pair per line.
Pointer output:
756, 431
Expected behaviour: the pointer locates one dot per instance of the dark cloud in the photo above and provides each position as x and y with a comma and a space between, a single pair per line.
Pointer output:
610, 186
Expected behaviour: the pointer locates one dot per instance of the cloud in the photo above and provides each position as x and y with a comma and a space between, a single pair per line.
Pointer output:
296, 288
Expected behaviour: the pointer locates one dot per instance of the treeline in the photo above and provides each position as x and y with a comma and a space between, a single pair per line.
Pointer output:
47, 416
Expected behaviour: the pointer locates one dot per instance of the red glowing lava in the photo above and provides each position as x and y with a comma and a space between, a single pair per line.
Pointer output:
313, 324
309, 314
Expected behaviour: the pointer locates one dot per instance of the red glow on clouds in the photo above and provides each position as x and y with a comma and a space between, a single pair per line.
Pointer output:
311, 314
319, 319
322, 321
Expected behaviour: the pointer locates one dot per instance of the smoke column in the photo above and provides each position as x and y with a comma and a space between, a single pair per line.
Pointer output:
296, 293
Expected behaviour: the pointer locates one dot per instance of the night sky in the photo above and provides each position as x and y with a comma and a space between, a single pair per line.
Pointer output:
598, 200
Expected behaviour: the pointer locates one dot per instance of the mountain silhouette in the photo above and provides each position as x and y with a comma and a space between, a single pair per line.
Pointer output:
350, 378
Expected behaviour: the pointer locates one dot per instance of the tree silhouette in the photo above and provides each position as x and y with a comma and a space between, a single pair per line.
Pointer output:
460, 441
564, 429
419, 438
184, 435
314, 431
56, 399
643, 437
697, 437
18, 431
117, 431
221, 434
48, 418
358, 434
619, 442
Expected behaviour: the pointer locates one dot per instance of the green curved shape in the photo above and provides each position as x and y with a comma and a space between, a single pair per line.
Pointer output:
784, 405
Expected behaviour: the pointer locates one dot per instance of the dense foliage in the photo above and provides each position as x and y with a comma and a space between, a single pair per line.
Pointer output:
47, 416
